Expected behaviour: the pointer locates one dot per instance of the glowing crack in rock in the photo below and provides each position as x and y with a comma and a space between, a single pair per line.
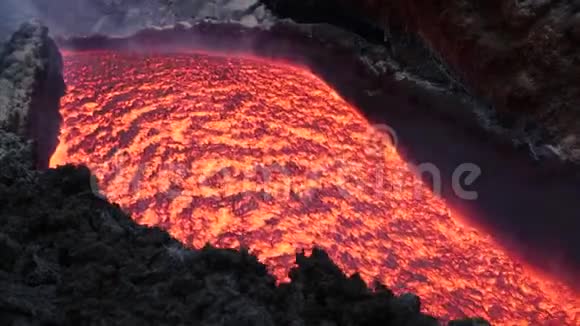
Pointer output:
246, 151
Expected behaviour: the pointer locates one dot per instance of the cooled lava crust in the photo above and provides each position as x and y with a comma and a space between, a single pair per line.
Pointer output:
242, 151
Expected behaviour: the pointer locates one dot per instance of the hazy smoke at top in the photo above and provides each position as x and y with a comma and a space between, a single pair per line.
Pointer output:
124, 17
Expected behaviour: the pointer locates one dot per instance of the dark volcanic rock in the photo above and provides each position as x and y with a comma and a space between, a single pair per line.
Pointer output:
31, 85
71, 258
521, 56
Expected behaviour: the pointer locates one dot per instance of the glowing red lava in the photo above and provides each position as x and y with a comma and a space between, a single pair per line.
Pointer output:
237, 150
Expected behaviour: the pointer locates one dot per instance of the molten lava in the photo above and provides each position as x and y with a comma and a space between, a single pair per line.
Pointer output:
240, 151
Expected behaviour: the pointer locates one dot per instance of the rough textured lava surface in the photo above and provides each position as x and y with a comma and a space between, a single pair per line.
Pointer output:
242, 151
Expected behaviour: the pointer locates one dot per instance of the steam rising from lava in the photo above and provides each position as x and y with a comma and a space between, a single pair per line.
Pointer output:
243, 151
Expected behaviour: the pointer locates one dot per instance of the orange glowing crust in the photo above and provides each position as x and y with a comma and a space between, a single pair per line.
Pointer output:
182, 141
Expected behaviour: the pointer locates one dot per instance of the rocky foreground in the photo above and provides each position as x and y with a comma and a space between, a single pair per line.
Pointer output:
71, 258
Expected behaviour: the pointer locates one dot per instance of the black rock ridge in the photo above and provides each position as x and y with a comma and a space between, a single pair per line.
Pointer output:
31, 85
71, 258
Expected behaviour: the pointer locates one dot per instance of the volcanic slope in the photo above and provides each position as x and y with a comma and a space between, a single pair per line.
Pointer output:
241, 151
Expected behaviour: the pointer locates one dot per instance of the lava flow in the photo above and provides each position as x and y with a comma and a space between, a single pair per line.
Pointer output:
239, 151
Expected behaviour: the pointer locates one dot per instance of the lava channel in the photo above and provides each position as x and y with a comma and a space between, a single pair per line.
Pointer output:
241, 151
